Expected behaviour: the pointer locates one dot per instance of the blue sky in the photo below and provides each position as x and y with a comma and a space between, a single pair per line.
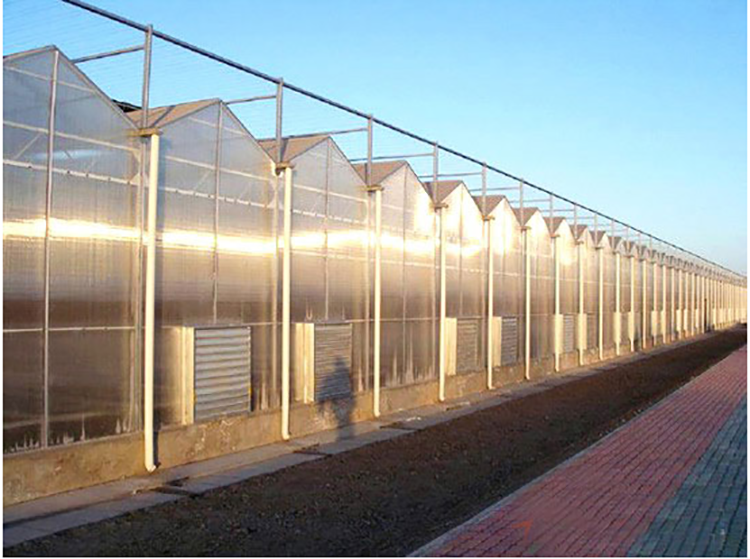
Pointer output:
637, 108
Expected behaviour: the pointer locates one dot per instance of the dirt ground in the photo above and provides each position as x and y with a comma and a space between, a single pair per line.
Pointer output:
389, 498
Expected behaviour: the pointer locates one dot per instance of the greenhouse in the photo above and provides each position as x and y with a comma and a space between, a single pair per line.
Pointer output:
506, 244
178, 290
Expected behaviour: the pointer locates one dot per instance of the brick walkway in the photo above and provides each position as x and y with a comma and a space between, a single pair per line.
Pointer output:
670, 482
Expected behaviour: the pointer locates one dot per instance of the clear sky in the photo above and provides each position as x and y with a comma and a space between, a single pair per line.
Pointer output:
637, 108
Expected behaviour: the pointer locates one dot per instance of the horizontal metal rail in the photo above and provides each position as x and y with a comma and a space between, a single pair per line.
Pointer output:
250, 99
280, 81
107, 54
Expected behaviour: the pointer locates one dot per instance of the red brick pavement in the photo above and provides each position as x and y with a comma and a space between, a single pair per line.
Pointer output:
601, 500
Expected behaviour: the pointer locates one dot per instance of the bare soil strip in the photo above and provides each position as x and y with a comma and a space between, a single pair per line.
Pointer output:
391, 497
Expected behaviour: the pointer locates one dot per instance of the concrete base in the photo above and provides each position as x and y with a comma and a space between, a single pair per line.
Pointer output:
38, 473
569, 360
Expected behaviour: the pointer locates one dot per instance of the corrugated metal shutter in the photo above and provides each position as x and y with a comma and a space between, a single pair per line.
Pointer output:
592, 333
509, 353
221, 371
333, 361
569, 333
467, 347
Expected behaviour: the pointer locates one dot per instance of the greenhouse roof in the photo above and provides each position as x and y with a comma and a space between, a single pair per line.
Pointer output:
292, 147
442, 189
162, 116
381, 170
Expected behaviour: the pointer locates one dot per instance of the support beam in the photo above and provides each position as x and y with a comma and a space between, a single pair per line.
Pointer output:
618, 306
527, 305
581, 329
443, 352
377, 301
600, 266
286, 171
489, 220
557, 322
149, 324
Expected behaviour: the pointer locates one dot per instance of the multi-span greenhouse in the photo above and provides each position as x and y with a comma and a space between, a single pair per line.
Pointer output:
177, 289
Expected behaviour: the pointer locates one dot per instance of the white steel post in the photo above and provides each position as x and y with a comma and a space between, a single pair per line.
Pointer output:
490, 297
377, 301
581, 319
557, 322
618, 306
286, 300
527, 305
631, 328
644, 301
443, 353
149, 323
600, 266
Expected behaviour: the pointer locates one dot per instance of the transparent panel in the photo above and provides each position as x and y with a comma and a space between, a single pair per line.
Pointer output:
23, 399
90, 385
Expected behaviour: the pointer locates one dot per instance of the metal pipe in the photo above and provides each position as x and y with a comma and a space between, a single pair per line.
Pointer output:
107, 54
378, 284
395, 156
490, 299
600, 266
557, 322
631, 318
441, 378
286, 301
618, 305
527, 305
581, 309
329, 132
149, 325
243, 68
47, 247
251, 99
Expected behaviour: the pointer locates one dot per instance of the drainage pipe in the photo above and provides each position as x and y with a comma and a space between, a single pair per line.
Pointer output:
377, 300
441, 368
286, 306
148, 326
600, 337
527, 305
490, 298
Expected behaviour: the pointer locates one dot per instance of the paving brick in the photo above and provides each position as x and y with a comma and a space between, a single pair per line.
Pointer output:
672, 481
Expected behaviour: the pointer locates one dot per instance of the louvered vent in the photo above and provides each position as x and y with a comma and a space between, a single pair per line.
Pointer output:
509, 353
467, 347
333, 361
569, 333
221, 371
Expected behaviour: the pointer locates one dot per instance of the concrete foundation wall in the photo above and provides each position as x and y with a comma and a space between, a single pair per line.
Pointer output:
34, 474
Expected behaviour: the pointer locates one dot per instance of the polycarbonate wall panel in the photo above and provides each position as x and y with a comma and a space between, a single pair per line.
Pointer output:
407, 268
216, 244
185, 250
330, 215
26, 95
23, 390
625, 280
609, 286
93, 229
542, 274
94, 238
507, 246
465, 277
568, 255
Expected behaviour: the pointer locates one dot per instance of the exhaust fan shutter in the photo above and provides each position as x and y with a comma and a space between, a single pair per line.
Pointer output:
333, 361
221, 371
